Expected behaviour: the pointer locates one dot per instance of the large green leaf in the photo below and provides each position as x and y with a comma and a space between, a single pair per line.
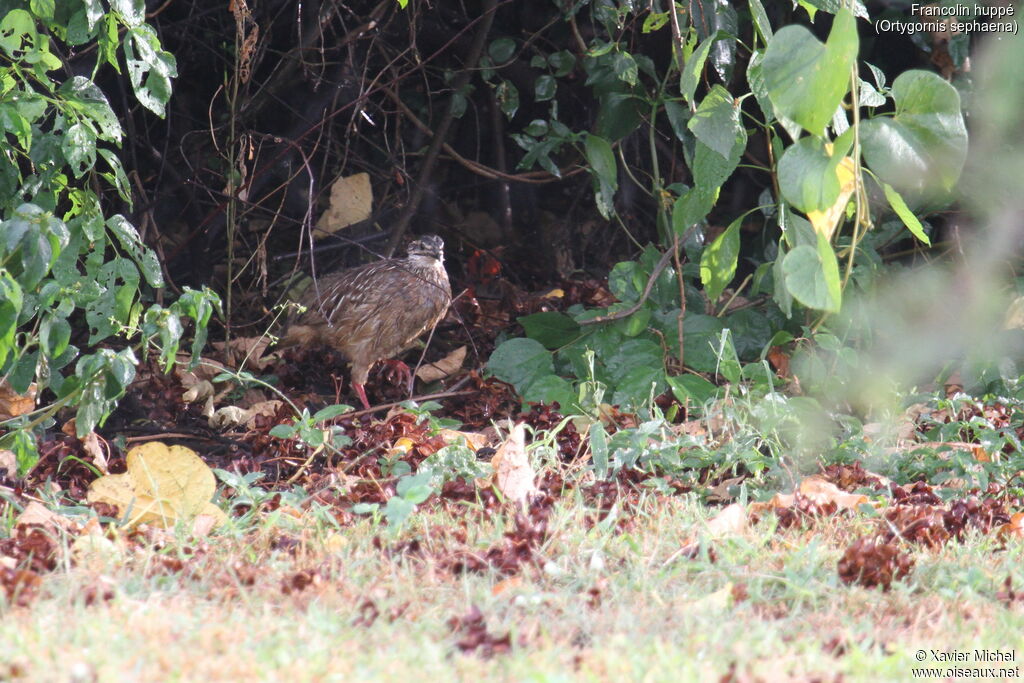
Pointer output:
700, 338
807, 176
717, 122
520, 362
812, 276
923, 147
693, 68
717, 17
605, 173
718, 262
806, 80
550, 328
905, 214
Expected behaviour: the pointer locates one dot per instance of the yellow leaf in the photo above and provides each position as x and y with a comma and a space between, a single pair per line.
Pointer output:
351, 202
825, 222
175, 474
472, 440
163, 485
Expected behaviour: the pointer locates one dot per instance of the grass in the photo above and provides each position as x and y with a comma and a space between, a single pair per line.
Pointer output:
603, 601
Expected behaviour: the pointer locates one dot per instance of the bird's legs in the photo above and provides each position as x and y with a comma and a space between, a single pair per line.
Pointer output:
396, 369
362, 394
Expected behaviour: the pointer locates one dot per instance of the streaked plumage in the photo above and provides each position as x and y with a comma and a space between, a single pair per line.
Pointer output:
375, 311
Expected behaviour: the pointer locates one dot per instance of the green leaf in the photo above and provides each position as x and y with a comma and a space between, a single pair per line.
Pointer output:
84, 97
415, 488
550, 328
519, 362
544, 88
711, 169
693, 68
807, 175
751, 331
761, 23
507, 96
636, 387
42, 8
678, 117
330, 412
905, 214
133, 12
625, 67
551, 389
654, 21
283, 431
562, 62
150, 67
717, 17
718, 262
716, 122
398, 510
18, 35
54, 335
93, 13
634, 324
780, 294
632, 354
693, 388
11, 301
14, 123
700, 339
79, 147
923, 147
806, 80
116, 177
129, 239
812, 276
605, 172
619, 114
691, 208
501, 50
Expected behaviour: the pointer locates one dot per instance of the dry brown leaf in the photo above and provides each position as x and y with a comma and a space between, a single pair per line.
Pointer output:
351, 202
8, 464
449, 365
472, 440
229, 416
200, 390
1014, 528
250, 350
13, 404
512, 471
713, 603
38, 514
162, 486
817, 490
731, 520
721, 493
92, 447
507, 584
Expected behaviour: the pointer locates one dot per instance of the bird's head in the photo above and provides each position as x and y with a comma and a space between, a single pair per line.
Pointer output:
430, 246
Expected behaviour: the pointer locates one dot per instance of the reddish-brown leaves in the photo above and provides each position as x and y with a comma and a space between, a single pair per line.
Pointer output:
474, 636
874, 563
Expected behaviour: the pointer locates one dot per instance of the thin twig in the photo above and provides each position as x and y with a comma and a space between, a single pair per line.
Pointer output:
660, 266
